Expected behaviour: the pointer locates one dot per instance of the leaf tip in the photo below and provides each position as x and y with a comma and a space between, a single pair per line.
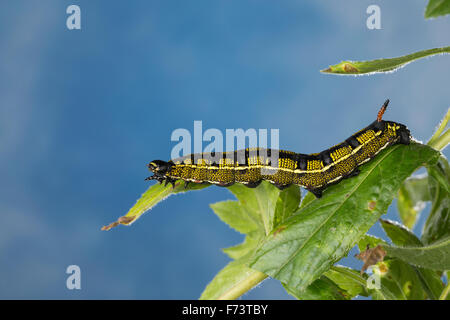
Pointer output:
126, 220
327, 70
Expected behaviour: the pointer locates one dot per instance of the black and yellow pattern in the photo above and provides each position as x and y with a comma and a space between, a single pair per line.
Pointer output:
314, 172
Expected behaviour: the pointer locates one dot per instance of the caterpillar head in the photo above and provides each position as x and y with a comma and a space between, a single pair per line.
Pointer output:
160, 169
398, 131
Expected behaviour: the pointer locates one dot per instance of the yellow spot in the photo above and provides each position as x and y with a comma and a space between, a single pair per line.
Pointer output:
383, 267
349, 68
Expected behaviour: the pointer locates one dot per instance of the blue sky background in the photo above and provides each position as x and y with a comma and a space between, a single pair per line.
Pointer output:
83, 112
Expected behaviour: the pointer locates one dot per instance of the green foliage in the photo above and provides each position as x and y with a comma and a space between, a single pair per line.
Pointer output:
437, 8
262, 208
338, 283
401, 236
349, 280
399, 281
412, 196
321, 289
435, 256
323, 232
232, 281
298, 241
437, 225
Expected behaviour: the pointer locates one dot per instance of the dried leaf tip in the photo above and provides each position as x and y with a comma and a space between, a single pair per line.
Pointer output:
122, 220
371, 257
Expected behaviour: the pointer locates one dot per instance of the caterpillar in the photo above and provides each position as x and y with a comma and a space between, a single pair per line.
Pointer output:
314, 172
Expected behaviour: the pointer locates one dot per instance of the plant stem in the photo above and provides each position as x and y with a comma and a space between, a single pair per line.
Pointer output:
441, 142
445, 292
243, 286
437, 135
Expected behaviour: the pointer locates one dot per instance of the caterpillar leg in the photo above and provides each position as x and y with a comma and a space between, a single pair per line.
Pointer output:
316, 192
281, 186
224, 184
253, 184
171, 181
354, 173
155, 177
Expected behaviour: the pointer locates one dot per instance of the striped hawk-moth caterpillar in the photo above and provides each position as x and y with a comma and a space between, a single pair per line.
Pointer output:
315, 172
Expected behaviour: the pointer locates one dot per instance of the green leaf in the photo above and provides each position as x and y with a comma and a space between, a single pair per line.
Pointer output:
254, 214
381, 65
439, 140
437, 225
388, 286
436, 8
259, 202
399, 280
321, 289
338, 283
348, 279
233, 214
431, 282
396, 279
287, 204
441, 173
310, 197
324, 231
429, 279
411, 199
435, 256
150, 198
233, 280
240, 250
446, 292
399, 234
369, 240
